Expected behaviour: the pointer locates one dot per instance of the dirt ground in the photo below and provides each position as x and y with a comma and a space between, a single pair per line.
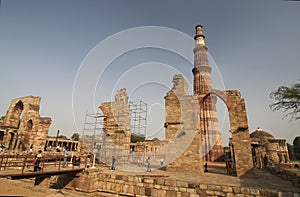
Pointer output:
13, 188
20, 188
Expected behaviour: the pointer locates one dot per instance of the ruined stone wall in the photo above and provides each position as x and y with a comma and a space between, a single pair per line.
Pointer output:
240, 131
40, 138
182, 119
117, 125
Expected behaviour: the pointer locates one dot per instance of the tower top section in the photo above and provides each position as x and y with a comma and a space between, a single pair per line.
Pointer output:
199, 37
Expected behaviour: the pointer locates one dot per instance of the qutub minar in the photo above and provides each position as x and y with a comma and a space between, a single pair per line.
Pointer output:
212, 143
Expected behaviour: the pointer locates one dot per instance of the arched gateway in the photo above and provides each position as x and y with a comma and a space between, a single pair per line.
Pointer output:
238, 126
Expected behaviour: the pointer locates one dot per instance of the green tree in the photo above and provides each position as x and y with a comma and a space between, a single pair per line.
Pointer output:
75, 136
291, 152
62, 137
288, 99
296, 143
137, 138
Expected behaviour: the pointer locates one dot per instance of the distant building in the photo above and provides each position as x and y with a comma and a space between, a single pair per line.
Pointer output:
267, 150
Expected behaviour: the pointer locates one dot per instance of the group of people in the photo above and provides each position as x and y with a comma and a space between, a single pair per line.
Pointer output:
148, 163
38, 158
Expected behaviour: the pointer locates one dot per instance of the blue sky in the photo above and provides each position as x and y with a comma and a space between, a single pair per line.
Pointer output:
43, 44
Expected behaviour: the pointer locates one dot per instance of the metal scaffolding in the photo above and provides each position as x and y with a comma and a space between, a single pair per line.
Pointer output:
138, 113
97, 141
93, 130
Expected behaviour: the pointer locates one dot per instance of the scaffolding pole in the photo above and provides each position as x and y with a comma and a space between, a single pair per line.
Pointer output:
138, 112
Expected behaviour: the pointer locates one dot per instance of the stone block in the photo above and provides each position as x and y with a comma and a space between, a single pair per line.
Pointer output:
140, 184
191, 191
182, 184
130, 178
219, 193
160, 181
148, 191
171, 193
230, 195
254, 191
148, 180
214, 187
161, 193
245, 190
131, 189
182, 189
125, 178
136, 190
209, 192
170, 182
142, 191
236, 190
203, 186
125, 188
154, 192
226, 189
118, 187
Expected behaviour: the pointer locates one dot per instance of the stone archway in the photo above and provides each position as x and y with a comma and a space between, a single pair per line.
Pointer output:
23, 119
238, 127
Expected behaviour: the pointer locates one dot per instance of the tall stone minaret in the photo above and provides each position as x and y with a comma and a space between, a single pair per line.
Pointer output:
212, 143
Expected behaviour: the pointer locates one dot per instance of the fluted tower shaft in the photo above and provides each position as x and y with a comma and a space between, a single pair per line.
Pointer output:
210, 129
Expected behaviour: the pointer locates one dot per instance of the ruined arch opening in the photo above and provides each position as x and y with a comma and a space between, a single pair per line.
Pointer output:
215, 128
27, 134
17, 113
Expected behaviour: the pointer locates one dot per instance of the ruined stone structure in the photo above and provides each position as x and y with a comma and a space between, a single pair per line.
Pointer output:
268, 151
197, 114
192, 128
52, 144
153, 145
22, 125
182, 119
117, 125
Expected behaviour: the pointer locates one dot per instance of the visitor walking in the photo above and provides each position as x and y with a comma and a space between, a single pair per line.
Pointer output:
65, 157
161, 161
30, 149
88, 161
148, 161
36, 163
113, 163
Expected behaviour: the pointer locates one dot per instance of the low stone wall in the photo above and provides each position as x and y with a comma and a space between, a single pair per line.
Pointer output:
93, 181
